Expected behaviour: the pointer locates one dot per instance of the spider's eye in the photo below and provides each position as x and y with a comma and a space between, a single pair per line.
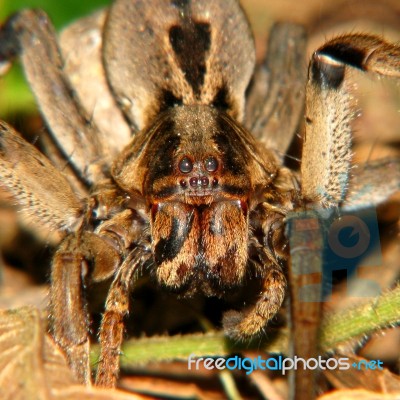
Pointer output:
211, 164
185, 165
194, 182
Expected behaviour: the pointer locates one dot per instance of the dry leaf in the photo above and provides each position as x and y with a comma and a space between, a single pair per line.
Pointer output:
358, 395
375, 380
32, 367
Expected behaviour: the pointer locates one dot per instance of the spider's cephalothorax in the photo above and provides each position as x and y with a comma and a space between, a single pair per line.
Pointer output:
150, 110
208, 177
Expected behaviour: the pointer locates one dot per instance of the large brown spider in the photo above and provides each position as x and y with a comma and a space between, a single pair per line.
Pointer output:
150, 109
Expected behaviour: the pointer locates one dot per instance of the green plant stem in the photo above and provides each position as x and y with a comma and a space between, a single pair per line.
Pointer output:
362, 320
337, 329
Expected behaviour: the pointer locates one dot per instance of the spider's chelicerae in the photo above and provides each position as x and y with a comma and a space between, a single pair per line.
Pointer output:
167, 147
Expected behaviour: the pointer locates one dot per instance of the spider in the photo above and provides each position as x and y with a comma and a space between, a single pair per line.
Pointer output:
166, 155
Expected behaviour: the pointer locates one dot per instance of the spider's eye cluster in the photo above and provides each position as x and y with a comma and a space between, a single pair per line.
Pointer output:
198, 172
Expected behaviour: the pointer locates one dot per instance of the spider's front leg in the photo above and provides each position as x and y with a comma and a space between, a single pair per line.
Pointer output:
79, 257
326, 164
85, 258
117, 308
327, 141
44, 194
